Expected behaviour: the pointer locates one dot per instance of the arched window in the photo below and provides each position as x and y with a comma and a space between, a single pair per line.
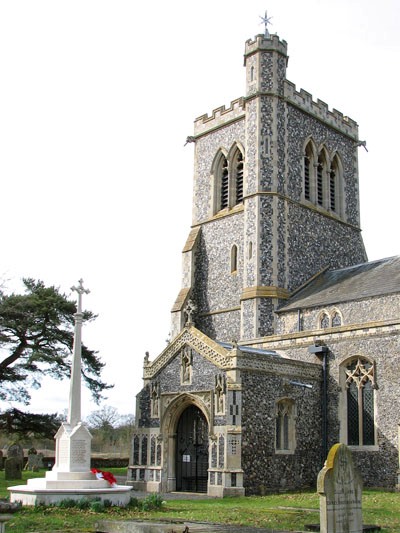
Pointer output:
336, 319
324, 321
239, 177
321, 176
308, 170
234, 258
250, 250
285, 426
359, 375
228, 179
224, 191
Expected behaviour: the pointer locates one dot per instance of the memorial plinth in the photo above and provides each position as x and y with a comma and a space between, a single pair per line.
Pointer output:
71, 476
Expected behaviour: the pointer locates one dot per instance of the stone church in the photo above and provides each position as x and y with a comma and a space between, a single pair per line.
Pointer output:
285, 340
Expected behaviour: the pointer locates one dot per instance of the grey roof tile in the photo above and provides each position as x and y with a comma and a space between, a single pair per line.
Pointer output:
365, 280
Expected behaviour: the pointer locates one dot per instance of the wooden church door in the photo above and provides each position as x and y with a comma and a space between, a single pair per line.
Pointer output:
192, 451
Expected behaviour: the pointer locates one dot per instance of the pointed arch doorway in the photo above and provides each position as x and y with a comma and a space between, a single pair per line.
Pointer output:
192, 451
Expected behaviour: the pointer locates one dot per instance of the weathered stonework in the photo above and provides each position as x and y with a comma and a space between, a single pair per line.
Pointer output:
270, 378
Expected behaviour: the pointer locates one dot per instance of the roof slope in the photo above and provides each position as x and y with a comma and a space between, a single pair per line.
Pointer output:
346, 284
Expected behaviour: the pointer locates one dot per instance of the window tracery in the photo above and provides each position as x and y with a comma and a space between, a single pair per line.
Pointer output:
360, 410
322, 177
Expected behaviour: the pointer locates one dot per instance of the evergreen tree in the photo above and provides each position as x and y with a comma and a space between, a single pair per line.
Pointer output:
36, 340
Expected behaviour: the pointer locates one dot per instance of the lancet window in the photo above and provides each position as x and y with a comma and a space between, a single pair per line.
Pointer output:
285, 426
322, 178
228, 174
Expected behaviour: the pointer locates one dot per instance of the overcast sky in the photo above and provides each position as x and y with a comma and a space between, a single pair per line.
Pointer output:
97, 98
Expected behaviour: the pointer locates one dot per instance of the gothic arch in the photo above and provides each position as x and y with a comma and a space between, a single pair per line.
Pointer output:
322, 177
336, 184
357, 409
309, 162
285, 425
177, 406
169, 425
227, 175
336, 317
323, 319
220, 180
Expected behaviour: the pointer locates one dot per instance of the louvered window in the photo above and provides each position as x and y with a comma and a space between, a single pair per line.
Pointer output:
239, 179
306, 178
320, 184
224, 184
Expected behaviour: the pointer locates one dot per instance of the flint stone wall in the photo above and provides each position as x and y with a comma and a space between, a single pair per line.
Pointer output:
378, 464
373, 309
264, 469
203, 379
216, 288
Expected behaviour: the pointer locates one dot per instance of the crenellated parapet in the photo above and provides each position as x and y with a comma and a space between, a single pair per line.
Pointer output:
220, 117
261, 42
319, 109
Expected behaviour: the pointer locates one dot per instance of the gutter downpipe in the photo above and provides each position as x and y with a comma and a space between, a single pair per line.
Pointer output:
322, 352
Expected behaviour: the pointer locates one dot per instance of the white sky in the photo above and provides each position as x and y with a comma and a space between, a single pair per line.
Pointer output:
97, 98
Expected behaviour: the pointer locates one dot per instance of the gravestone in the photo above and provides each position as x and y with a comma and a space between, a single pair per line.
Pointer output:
35, 461
14, 462
340, 488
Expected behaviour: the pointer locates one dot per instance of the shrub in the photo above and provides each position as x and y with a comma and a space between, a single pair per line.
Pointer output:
153, 501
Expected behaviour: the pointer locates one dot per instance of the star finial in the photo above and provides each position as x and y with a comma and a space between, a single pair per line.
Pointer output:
266, 20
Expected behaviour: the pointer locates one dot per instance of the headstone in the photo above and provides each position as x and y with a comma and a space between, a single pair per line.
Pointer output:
14, 462
340, 489
12, 468
35, 461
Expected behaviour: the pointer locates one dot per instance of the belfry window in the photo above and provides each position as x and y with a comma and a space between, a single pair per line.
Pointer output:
321, 173
239, 177
333, 184
360, 386
224, 184
228, 179
308, 171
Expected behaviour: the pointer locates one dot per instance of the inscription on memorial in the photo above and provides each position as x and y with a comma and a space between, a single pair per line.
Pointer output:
340, 490
78, 451
63, 451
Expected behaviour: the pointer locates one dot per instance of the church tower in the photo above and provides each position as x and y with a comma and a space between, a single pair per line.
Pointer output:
275, 201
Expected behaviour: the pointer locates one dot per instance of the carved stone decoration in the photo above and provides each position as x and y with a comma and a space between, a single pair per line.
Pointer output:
155, 400
189, 311
211, 350
186, 366
173, 404
220, 394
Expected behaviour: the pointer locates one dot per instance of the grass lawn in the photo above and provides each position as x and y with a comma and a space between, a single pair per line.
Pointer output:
288, 511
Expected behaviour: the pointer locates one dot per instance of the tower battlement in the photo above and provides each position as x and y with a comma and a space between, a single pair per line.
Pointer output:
261, 42
319, 109
219, 117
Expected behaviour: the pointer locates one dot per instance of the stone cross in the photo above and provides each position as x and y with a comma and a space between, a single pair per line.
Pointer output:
74, 411
80, 290
190, 310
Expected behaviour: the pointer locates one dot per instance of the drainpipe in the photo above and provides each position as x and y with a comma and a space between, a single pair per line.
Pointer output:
322, 351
